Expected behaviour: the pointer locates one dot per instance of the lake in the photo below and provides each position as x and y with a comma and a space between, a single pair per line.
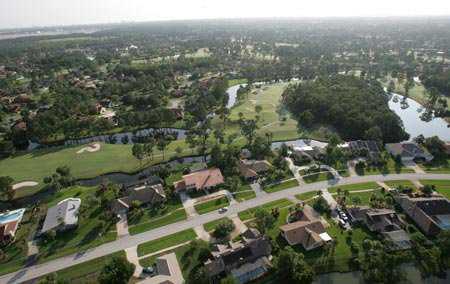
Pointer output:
414, 125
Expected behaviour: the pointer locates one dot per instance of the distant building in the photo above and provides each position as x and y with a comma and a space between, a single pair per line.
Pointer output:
9, 222
201, 180
383, 221
408, 151
308, 230
245, 260
431, 214
62, 216
145, 194
252, 169
167, 271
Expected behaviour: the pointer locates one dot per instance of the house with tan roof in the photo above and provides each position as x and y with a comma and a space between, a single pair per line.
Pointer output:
309, 229
201, 180
252, 169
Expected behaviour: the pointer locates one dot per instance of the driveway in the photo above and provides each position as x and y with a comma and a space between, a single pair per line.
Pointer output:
121, 244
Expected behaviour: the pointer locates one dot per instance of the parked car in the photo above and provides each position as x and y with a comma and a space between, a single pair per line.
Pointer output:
223, 210
149, 270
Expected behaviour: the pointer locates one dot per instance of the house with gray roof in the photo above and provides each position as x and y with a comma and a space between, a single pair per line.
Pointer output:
408, 151
145, 194
167, 271
62, 216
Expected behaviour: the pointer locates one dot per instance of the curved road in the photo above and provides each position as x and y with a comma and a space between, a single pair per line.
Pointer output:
35, 271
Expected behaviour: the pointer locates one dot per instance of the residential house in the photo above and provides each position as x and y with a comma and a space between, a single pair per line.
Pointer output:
167, 270
145, 194
201, 180
308, 229
363, 147
252, 169
62, 216
9, 222
245, 260
431, 214
408, 151
383, 221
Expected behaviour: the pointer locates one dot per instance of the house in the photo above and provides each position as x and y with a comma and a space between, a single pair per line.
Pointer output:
251, 169
383, 221
363, 147
431, 214
145, 194
62, 216
308, 229
245, 153
408, 151
447, 147
201, 180
245, 260
9, 222
307, 152
167, 270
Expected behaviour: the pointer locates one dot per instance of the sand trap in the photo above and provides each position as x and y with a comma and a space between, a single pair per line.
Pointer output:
91, 148
25, 184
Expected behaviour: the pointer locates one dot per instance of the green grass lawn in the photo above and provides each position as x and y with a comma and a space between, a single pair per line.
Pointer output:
439, 167
281, 186
397, 183
88, 234
166, 242
210, 226
86, 272
211, 205
38, 164
442, 186
306, 195
234, 82
172, 217
249, 213
364, 196
322, 176
353, 187
244, 192
390, 168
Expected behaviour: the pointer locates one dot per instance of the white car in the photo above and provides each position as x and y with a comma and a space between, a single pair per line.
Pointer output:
223, 210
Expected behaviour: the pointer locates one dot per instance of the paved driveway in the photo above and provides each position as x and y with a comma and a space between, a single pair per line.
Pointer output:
134, 240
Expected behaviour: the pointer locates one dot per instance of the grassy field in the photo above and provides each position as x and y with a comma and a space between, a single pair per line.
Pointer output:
442, 186
111, 158
281, 186
86, 272
322, 176
210, 226
353, 187
211, 205
364, 197
442, 167
149, 224
249, 213
165, 242
306, 195
397, 183
244, 192
390, 168
234, 82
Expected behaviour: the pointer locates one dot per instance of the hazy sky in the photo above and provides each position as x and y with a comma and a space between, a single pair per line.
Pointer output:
26, 13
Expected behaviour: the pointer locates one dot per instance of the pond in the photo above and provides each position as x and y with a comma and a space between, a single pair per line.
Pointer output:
232, 94
412, 122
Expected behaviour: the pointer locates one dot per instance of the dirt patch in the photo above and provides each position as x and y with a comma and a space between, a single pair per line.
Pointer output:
90, 149
25, 184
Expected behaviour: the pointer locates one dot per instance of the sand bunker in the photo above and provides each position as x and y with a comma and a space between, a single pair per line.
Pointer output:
91, 148
25, 184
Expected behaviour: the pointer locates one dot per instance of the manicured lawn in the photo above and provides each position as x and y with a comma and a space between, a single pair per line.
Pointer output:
397, 183
306, 195
172, 217
353, 187
86, 272
209, 227
89, 232
442, 186
211, 205
442, 167
281, 186
390, 168
364, 196
244, 192
111, 158
322, 176
165, 242
234, 82
249, 213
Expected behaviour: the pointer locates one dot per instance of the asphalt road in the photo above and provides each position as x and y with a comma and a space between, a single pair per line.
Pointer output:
35, 271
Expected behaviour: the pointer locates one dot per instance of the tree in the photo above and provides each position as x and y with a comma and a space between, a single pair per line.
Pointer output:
162, 145
228, 280
138, 152
117, 271
428, 189
6, 187
264, 220
223, 229
148, 147
248, 129
292, 267
198, 275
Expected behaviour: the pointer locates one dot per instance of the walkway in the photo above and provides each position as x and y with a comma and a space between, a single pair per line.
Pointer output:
38, 270
257, 189
133, 258
295, 171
